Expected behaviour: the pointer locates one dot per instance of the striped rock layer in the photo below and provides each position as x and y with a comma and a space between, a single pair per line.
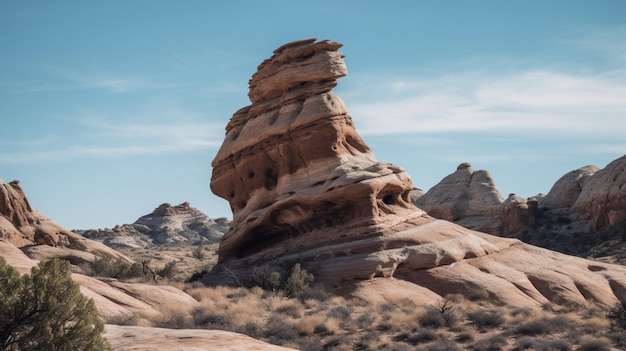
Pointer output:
305, 188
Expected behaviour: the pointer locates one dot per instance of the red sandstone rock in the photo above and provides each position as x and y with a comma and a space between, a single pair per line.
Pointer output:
293, 168
304, 187
22, 225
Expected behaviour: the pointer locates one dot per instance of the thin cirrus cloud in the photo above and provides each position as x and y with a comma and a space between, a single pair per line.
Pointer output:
532, 101
93, 78
106, 140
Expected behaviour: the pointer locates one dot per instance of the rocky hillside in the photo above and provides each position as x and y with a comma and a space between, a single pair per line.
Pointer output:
166, 225
305, 188
584, 213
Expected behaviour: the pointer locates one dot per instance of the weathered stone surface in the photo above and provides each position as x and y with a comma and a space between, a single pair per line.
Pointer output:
23, 226
464, 193
467, 197
166, 225
293, 168
603, 197
566, 190
134, 338
304, 187
518, 214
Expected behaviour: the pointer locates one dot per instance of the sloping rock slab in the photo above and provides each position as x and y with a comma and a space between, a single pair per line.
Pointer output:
131, 338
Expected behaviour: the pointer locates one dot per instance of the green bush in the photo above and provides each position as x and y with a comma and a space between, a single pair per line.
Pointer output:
118, 269
46, 311
298, 281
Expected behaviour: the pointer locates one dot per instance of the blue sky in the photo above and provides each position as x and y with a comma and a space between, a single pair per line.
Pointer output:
109, 109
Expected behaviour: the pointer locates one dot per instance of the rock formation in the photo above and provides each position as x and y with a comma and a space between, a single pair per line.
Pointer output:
166, 225
115, 301
134, 338
467, 197
602, 199
304, 187
23, 226
293, 168
566, 190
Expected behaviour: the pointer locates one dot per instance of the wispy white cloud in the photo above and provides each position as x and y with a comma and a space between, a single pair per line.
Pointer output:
104, 138
91, 78
531, 101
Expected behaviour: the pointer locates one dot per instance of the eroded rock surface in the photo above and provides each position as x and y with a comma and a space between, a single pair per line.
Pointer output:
296, 173
467, 197
23, 226
602, 199
304, 187
116, 301
166, 225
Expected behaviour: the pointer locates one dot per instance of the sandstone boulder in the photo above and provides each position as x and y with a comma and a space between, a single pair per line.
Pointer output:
134, 338
23, 226
518, 214
602, 200
305, 188
467, 197
566, 190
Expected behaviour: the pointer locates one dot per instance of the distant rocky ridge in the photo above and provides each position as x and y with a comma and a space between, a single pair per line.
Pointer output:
305, 188
583, 206
166, 225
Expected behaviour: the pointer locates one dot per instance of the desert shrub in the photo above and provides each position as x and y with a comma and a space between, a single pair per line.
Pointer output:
290, 308
617, 314
443, 345
536, 327
523, 312
267, 278
198, 253
277, 331
317, 292
168, 271
337, 341
493, 343
595, 345
365, 320
618, 337
251, 329
309, 324
211, 320
477, 294
46, 311
486, 318
432, 318
298, 281
340, 312
118, 269
541, 344
417, 336
465, 336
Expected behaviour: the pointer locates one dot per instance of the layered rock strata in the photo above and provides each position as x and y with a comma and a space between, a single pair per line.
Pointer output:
304, 187
293, 168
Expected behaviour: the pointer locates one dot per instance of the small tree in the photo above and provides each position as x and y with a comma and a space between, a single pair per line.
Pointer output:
46, 311
297, 281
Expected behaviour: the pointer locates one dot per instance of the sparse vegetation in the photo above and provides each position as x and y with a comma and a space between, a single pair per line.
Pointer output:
456, 323
46, 311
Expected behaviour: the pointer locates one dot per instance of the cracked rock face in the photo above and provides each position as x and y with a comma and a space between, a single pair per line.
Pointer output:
296, 173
